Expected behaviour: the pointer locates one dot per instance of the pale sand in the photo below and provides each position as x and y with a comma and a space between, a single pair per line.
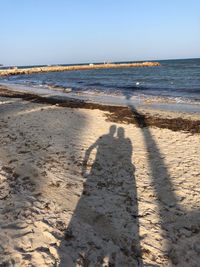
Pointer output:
49, 218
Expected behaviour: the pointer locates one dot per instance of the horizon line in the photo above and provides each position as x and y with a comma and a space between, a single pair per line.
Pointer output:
99, 62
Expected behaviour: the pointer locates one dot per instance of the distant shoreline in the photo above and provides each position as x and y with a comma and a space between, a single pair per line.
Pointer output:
16, 71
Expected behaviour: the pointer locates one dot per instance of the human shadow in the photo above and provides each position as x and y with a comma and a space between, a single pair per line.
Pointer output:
180, 228
104, 229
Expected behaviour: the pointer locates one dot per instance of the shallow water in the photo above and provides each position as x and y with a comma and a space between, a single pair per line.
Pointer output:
146, 102
177, 79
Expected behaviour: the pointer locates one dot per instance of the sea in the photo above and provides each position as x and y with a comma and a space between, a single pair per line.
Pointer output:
177, 81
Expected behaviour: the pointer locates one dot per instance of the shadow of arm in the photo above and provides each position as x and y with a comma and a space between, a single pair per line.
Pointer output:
87, 155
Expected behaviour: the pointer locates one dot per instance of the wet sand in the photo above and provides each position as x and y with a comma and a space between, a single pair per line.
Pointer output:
91, 185
143, 102
176, 121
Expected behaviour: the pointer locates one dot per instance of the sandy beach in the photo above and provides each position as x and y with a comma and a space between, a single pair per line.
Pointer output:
84, 185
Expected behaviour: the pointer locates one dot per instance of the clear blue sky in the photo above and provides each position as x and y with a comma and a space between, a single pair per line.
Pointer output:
73, 31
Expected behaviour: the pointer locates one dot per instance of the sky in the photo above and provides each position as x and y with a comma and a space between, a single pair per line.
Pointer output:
78, 31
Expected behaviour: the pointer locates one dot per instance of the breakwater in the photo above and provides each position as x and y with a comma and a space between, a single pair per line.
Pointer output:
16, 71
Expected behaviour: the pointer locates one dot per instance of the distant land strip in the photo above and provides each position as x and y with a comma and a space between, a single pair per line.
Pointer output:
16, 71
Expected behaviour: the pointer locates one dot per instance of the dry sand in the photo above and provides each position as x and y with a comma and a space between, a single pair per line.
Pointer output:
74, 195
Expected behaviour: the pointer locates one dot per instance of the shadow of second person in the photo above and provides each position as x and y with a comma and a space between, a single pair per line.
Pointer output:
104, 229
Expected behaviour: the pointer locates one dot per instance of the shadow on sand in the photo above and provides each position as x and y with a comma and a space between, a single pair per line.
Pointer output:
180, 228
104, 230
107, 213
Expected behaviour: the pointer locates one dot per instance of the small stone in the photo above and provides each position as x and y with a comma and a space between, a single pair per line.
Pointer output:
173, 257
7, 169
1, 249
197, 247
15, 175
68, 235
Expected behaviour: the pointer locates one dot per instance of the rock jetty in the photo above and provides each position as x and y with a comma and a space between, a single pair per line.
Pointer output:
16, 71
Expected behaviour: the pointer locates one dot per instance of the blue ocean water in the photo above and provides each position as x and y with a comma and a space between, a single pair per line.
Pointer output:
178, 79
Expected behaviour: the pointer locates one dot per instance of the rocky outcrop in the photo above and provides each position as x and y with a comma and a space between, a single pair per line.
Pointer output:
8, 72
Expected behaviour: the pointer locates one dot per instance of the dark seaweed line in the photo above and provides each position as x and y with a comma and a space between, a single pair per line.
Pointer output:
116, 113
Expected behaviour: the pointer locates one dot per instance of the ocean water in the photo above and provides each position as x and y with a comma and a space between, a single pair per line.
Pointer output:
175, 79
